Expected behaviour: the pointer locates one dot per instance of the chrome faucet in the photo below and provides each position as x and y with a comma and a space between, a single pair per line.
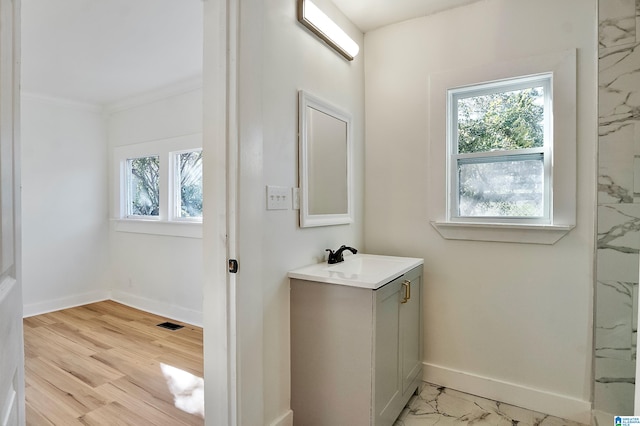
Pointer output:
336, 256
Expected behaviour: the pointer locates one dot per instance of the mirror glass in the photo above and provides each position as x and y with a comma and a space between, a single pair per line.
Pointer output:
325, 169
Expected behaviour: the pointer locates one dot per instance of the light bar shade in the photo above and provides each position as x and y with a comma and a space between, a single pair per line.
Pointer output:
321, 25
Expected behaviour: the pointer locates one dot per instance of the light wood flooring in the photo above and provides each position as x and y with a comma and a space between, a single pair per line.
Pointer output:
109, 364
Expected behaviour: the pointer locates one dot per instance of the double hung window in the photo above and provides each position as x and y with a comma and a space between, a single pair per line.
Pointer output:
499, 137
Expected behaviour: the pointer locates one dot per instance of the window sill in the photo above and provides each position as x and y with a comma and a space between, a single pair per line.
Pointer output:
500, 232
158, 227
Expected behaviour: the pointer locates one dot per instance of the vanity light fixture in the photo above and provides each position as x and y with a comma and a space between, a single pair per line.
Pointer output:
321, 25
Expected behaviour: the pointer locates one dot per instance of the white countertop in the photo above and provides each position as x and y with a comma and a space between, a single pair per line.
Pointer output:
359, 270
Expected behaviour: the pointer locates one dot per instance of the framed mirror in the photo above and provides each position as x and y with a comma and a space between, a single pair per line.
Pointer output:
325, 163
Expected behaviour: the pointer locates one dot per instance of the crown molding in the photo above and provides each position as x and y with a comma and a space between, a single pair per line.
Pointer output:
61, 102
174, 89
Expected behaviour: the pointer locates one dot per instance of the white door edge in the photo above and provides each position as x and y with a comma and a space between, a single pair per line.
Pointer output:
220, 146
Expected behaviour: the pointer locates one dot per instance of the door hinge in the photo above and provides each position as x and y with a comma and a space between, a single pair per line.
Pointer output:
233, 266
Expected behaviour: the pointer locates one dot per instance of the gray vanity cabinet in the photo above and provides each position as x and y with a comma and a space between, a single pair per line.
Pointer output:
355, 352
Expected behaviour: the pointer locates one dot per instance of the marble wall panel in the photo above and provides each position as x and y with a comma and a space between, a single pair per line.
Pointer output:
619, 230
637, 19
636, 179
614, 386
614, 320
600, 418
617, 161
619, 84
618, 233
616, 266
617, 22
634, 322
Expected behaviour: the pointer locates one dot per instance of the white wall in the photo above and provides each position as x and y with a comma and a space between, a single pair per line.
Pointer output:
294, 59
64, 208
70, 254
160, 274
508, 321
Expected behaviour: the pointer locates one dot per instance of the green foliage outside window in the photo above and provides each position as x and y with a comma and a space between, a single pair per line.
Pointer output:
190, 175
144, 186
501, 121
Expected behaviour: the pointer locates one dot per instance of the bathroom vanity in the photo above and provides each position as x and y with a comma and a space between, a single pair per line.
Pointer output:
355, 340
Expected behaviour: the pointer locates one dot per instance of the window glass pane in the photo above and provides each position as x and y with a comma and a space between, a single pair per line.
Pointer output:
501, 187
190, 178
501, 121
144, 190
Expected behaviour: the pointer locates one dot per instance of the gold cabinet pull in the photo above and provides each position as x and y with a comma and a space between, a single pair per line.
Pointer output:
407, 291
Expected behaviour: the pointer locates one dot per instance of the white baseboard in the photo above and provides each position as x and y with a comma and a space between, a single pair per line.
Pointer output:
284, 420
64, 303
178, 313
164, 309
510, 393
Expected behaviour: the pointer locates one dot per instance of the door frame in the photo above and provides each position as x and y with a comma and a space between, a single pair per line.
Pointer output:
233, 309
220, 165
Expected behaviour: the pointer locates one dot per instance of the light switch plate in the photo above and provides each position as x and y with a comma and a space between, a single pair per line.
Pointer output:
278, 197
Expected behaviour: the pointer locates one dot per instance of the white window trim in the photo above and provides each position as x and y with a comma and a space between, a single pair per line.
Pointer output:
562, 66
166, 223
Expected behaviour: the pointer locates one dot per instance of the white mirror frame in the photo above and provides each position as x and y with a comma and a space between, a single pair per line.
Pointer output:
308, 101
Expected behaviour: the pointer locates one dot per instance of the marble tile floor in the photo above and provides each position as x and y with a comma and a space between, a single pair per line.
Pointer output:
445, 407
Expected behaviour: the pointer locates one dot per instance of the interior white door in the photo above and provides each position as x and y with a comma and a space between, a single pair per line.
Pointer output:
11, 346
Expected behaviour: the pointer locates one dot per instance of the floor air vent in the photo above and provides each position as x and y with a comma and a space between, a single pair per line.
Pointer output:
170, 326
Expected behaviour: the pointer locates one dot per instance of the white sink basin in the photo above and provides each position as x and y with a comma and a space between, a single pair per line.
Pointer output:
360, 270
367, 265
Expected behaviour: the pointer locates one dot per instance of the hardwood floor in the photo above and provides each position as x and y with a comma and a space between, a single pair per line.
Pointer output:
109, 364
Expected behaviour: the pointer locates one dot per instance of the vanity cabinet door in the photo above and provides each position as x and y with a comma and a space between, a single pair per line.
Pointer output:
397, 349
411, 330
388, 379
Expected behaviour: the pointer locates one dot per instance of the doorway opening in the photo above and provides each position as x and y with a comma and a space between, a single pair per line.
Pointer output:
96, 76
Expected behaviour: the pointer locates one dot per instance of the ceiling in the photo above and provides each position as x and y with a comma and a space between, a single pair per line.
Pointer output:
371, 14
103, 51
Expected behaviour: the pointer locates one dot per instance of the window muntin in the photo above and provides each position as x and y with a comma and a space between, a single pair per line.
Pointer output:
143, 186
499, 137
188, 184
